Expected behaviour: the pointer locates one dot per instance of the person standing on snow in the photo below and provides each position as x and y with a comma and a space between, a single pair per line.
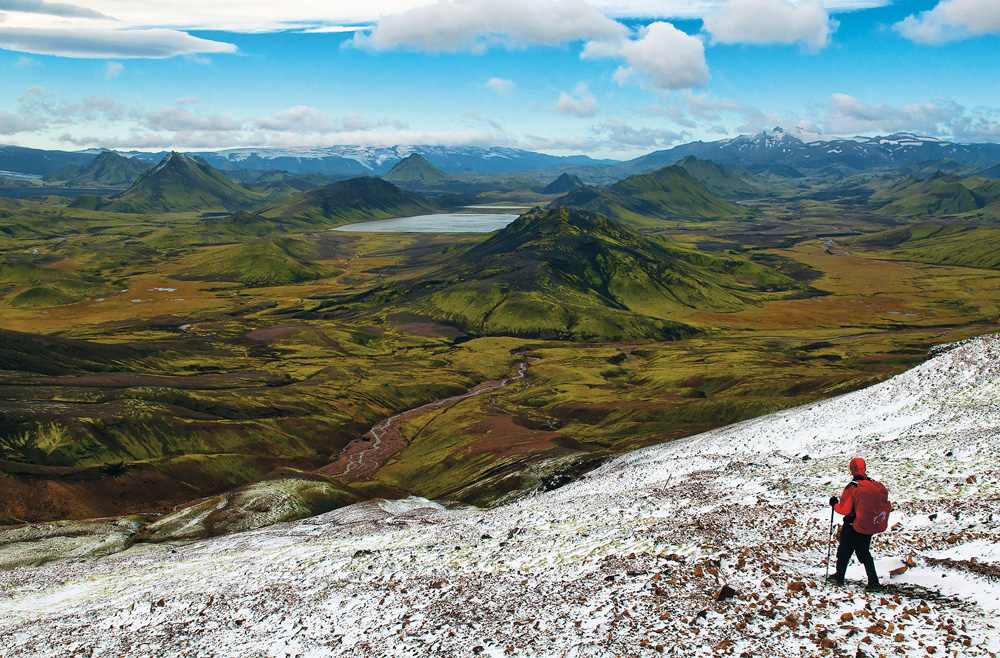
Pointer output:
865, 508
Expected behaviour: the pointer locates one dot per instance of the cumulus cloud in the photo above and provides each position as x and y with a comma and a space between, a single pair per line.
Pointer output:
848, 114
476, 25
49, 8
625, 136
300, 118
669, 58
181, 119
113, 69
952, 20
263, 15
13, 123
758, 22
579, 103
500, 86
106, 42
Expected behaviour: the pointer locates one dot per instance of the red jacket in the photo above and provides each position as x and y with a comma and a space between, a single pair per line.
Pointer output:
846, 506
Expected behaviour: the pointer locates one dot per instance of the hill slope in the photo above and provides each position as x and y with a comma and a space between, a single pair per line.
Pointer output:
668, 193
109, 169
941, 194
415, 170
180, 183
565, 183
940, 244
629, 560
718, 179
567, 273
354, 200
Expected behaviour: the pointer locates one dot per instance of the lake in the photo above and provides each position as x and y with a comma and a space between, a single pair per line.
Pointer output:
458, 222
41, 191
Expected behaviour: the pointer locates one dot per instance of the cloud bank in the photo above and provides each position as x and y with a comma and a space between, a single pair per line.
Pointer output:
952, 20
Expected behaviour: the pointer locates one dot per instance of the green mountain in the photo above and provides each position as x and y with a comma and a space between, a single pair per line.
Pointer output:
940, 244
572, 274
264, 262
24, 284
181, 183
109, 169
718, 179
415, 169
354, 200
668, 193
992, 172
564, 184
940, 194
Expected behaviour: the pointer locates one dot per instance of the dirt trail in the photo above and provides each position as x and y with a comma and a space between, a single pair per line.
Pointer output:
363, 457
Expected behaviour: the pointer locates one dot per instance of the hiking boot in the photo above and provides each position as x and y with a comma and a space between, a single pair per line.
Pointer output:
834, 580
873, 587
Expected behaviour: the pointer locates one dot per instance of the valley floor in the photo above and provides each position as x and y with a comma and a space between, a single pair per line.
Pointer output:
628, 561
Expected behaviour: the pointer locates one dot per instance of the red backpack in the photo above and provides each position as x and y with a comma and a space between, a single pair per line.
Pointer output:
871, 507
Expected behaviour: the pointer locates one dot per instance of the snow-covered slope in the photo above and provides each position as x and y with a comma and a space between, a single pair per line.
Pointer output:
628, 561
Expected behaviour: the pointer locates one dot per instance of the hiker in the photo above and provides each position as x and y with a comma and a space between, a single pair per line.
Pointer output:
865, 508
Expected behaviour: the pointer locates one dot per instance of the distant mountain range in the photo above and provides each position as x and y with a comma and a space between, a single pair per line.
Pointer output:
778, 147
364, 160
771, 151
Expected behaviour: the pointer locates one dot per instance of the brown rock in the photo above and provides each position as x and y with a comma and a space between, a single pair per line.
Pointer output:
726, 593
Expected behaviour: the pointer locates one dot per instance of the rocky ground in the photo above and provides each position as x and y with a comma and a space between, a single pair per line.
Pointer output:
713, 545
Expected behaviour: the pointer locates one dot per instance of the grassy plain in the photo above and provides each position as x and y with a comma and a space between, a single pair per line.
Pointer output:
197, 360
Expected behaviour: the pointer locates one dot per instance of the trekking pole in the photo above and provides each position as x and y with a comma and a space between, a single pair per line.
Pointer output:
829, 543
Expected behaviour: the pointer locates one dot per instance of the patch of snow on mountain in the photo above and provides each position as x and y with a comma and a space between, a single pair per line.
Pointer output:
711, 545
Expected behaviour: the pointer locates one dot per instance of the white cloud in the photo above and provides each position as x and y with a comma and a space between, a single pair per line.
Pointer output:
758, 22
500, 86
180, 119
579, 103
264, 15
300, 118
336, 29
113, 69
952, 20
49, 8
477, 25
626, 136
669, 58
106, 42
13, 123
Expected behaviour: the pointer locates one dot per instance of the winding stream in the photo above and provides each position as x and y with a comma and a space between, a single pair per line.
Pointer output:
363, 457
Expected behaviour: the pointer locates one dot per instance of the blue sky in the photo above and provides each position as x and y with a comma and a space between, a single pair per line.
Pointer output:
611, 78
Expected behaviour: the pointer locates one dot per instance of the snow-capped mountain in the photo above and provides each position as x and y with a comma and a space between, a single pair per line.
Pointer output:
779, 147
361, 160
708, 546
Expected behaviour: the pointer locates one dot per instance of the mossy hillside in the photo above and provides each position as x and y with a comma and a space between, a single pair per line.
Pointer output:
109, 169
416, 170
718, 179
566, 273
943, 244
181, 183
668, 193
939, 195
265, 262
354, 200
29, 284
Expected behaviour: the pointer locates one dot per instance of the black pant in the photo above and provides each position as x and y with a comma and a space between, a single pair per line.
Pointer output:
853, 542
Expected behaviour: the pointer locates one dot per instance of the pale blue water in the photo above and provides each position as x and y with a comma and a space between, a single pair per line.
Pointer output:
439, 223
